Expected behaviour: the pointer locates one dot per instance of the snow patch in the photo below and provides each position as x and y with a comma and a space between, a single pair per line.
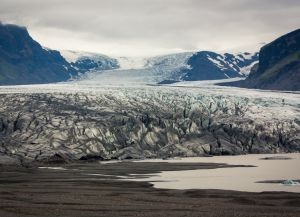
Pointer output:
73, 56
216, 62
247, 69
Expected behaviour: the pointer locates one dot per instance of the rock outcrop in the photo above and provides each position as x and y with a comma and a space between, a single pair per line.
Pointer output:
278, 67
25, 61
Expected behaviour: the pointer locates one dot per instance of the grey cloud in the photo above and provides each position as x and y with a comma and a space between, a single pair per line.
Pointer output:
152, 26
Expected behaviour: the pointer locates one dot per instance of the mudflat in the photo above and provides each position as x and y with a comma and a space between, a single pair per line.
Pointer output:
93, 189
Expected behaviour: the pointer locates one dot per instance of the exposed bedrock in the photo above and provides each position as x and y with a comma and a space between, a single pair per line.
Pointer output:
59, 127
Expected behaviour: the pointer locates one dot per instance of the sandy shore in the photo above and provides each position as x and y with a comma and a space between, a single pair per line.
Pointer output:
93, 189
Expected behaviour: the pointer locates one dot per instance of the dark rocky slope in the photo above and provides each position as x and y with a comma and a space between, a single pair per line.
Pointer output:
25, 61
206, 65
279, 65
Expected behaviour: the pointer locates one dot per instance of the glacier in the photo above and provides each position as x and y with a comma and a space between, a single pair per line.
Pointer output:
101, 69
124, 113
140, 71
75, 120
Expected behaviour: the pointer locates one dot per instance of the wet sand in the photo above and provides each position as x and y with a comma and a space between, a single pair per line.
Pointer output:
77, 192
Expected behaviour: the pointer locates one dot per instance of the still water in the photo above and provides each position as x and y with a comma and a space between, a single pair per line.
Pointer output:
237, 178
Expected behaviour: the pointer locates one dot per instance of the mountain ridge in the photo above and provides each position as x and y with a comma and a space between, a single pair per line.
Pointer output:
207, 65
172, 68
25, 61
89, 61
278, 67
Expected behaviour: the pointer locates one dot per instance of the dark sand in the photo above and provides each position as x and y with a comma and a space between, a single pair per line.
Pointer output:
73, 193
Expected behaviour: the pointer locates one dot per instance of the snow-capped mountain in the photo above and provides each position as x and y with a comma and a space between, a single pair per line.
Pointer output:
188, 66
206, 65
171, 68
25, 61
87, 61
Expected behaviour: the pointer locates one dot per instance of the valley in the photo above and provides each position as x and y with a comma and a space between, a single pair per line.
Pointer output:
149, 108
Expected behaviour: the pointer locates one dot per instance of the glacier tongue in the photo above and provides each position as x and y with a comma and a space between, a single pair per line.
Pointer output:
204, 65
131, 62
247, 69
143, 70
73, 121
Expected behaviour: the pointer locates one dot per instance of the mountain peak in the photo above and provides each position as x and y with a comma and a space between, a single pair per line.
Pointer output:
208, 65
24, 61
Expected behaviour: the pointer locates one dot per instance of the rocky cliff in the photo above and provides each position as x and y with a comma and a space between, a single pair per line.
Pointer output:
25, 61
278, 67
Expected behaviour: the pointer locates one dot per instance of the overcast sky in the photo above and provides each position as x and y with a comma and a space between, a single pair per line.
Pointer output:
152, 27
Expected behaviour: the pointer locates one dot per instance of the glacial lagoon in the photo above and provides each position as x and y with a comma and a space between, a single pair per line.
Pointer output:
268, 168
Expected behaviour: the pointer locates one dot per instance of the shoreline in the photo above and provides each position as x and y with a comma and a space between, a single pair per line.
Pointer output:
72, 192
13, 160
